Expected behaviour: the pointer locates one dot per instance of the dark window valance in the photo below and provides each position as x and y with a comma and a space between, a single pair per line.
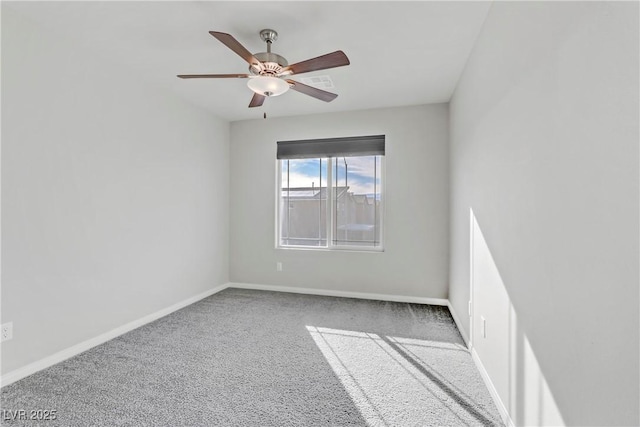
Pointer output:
332, 147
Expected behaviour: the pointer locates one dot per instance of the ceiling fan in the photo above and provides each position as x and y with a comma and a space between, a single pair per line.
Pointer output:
268, 70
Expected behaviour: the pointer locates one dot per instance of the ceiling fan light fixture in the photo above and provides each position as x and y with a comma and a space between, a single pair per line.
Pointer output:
268, 86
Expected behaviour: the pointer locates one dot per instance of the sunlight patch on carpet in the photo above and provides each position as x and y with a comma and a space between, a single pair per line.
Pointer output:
395, 381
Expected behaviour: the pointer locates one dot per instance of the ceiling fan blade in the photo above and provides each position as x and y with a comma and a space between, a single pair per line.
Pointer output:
330, 60
320, 94
257, 100
213, 76
234, 45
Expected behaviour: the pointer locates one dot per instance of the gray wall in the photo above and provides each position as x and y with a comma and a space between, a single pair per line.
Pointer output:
415, 259
114, 196
544, 131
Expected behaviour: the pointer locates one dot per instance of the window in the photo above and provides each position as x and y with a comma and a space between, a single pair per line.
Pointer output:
330, 193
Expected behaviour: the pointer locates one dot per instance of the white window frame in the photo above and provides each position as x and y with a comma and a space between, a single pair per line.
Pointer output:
331, 246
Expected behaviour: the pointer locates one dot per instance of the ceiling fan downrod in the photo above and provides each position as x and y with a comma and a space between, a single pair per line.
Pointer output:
269, 36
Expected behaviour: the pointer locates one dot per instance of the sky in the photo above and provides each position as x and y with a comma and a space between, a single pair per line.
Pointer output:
360, 179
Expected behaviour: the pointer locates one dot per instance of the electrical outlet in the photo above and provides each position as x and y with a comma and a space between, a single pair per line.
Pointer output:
278, 266
483, 327
7, 331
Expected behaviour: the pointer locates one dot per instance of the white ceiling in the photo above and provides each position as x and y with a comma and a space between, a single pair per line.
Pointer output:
401, 53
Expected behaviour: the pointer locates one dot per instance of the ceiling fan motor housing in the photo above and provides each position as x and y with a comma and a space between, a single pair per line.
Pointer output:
273, 64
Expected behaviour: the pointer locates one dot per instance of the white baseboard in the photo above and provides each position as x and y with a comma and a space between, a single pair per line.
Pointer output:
342, 294
504, 413
456, 319
67, 353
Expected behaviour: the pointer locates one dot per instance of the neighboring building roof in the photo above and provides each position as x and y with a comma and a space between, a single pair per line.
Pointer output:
363, 199
310, 192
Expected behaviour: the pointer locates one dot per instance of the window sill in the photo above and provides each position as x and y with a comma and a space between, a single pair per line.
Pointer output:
336, 249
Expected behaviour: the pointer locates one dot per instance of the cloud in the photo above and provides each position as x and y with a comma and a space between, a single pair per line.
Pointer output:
362, 166
298, 179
